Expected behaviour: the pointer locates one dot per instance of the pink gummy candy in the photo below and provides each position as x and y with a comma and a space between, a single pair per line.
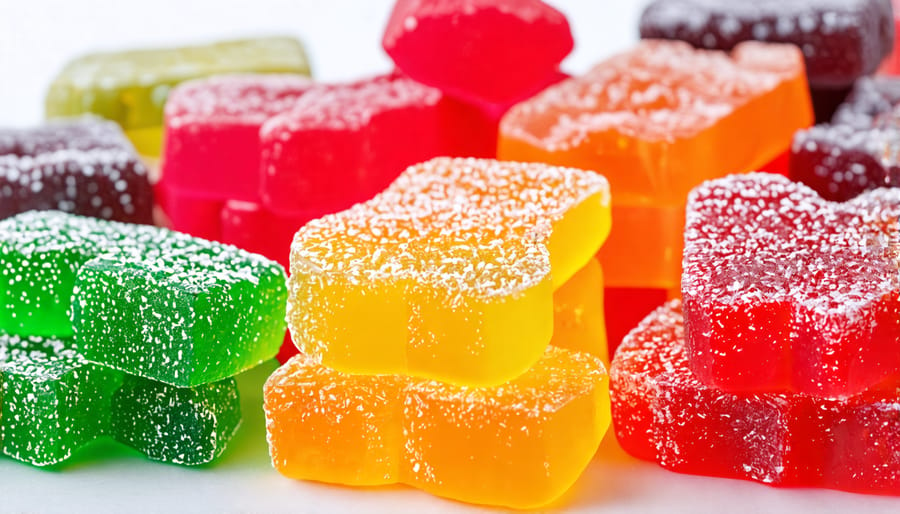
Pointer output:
784, 291
212, 132
662, 412
342, 144
251, 227
482, 50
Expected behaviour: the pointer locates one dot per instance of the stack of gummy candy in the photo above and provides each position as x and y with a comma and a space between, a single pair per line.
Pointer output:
462, 235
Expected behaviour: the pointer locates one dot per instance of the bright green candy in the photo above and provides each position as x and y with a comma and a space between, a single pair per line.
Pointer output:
131, 87
53, 401
145, 300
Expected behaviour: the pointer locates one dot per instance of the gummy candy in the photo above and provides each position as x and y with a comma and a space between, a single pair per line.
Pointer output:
841, 40
54, 402
662, 412
251, 227
521, 444
212, 147
131, 87
449, 267
144, 300
478, 50
375, 127
578, 322
785, 291
84, 166
199, 217
859, 151
891, 64
657, 121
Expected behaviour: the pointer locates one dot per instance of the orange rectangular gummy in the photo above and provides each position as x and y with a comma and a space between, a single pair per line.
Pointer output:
521, 444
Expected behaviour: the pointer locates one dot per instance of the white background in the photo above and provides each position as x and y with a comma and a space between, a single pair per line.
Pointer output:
343, 39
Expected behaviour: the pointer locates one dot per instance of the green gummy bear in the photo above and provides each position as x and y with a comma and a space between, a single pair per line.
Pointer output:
53, 401
144, 300
131, 87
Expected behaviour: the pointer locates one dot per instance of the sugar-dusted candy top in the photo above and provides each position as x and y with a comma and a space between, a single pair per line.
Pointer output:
463, 47
234, 98
473, 227
131, 87
351, 106
881, 143
172, 257
37, 358
762, 238
84, 166
80, 134
840, 39
658, 91
870, 103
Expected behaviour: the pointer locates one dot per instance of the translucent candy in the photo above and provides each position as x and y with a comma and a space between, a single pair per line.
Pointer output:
54, 402
657, 121
144, 300
83, 166
578, 322
662, 412
449, 273
375, 127
252, 227
522, 444
841, 40
212, 145
785, 291
859, 151
131, 87
510, 47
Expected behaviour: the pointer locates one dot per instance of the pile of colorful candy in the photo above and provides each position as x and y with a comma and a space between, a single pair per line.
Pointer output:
451, 288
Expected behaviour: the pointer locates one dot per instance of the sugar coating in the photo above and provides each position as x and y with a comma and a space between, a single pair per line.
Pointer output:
54, 402
441, 253
870, 100
144, 300
248, 99
658, 91
351, 106
662, 412
840, 39
131, 87
527, 440
770, 267
83, 166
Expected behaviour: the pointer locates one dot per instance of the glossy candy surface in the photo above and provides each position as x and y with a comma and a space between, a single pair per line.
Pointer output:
446, 271
662, 412
463, 47
521, 444
84, 166
131, 87
785, 291
141, 299
656, 121
54, 402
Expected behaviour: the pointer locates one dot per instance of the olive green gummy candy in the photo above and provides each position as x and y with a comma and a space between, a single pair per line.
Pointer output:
53, 401
144, 300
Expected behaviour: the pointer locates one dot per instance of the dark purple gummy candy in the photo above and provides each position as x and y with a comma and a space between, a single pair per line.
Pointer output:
83, 166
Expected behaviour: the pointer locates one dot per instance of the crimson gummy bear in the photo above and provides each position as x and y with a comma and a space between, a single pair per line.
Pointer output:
478, 50
785, 291
662, 412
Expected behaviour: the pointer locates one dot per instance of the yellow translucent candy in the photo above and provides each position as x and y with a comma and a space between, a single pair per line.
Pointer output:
521, 445
449, 274
578, 321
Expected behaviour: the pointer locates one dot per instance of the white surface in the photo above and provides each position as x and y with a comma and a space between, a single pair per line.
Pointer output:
343, 37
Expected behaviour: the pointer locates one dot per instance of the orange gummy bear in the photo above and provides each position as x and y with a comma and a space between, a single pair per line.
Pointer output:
449, 274
657, 121
522, 444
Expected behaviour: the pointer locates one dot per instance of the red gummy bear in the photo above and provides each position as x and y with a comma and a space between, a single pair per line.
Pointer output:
662, 412
478, 50
784, 291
